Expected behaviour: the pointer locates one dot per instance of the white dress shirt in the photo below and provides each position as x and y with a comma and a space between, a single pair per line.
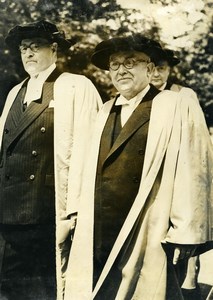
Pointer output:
162, 86
35, 85
128, 106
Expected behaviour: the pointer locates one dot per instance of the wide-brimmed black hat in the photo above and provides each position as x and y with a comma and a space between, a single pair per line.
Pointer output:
42, 29
165, 55
135, 42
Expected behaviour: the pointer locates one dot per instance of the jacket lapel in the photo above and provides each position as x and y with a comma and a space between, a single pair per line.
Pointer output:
106, 139
36, 107
138, 118
17, 111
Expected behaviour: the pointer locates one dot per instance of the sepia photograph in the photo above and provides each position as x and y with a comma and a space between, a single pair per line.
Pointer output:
106, 150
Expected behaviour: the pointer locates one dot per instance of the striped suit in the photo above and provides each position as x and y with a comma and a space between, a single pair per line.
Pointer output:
27, 197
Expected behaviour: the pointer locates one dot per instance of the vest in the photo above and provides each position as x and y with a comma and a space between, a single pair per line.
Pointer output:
27, 194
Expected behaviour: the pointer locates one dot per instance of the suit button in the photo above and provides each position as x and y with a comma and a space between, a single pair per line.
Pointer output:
135, 179
43, 129
34, 153
32, 177
7, 176
140, 152
9, 153
6, 130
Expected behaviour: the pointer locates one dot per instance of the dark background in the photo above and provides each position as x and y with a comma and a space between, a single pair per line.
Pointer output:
184, 26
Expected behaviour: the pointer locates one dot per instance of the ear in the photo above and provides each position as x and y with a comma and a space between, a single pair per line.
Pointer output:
54, 47
150, 68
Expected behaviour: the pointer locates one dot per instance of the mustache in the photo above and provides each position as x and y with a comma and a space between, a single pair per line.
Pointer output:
123, 77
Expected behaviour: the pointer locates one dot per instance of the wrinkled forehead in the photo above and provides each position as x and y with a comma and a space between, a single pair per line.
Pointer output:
128, 54
36, 40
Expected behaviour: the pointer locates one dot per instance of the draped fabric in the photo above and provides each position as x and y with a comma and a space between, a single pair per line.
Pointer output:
178, 145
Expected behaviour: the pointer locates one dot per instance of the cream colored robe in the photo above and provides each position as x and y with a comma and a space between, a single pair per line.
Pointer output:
76, 102
179, 141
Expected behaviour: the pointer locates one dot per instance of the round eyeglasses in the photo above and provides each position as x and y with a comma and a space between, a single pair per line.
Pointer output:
128, 63
33, 47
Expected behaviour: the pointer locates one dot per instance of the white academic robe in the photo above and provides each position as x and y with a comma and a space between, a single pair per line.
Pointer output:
178, 141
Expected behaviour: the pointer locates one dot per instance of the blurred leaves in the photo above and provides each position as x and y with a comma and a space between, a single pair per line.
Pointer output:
181, 25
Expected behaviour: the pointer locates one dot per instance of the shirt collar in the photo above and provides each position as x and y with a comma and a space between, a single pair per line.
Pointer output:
35, 85
163, 86
43, 75
121, 100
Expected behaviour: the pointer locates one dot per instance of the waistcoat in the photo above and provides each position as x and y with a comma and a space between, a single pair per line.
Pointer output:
27, 161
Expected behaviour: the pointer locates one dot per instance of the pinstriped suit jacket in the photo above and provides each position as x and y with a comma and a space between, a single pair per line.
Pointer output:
27, 161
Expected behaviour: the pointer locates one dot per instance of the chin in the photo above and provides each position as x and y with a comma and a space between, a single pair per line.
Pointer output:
31, 72
157, 84
125, 87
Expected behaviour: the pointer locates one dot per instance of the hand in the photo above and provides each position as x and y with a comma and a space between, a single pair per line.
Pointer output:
66, 228
73, 221
183, 252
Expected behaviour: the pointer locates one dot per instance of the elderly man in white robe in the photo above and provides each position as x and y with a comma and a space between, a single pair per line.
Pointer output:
146, 195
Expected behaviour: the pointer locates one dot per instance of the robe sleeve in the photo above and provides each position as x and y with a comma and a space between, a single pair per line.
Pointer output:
76, 105
192, 200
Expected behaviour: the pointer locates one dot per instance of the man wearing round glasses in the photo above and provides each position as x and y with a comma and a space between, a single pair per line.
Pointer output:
145, 190
45, 128
124, 70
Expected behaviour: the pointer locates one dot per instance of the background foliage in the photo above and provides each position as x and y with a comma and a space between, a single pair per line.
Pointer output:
182, 25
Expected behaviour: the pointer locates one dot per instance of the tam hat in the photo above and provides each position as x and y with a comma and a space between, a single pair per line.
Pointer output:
39, 29
136, 42
165, 55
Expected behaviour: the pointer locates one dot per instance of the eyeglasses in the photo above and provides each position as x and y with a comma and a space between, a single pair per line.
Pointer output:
33, 47
128, 63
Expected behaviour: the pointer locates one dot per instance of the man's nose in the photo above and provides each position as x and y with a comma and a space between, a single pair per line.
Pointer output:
155, 72
29, 52
122, 69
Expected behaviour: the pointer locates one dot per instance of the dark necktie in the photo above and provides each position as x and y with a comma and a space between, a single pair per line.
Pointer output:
24, 106
117, 124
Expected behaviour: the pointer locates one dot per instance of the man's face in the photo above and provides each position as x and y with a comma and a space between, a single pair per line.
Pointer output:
37, 55
132, 74
160, 74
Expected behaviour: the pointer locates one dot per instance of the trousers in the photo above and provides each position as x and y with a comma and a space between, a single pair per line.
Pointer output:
28, 262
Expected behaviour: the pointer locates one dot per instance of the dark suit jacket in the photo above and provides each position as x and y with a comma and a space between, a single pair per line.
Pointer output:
27, 161
118, 174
